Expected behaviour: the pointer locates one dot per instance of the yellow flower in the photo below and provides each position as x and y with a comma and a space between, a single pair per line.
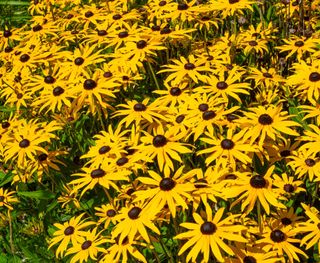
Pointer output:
73, 231
226, 151
133, 220
190, 68
172, 191
163, 145
250, 189
207, 236
87, 248
7, 198
270, 121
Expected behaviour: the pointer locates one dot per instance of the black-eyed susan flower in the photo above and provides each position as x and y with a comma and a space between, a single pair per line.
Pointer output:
106, 214
267, 121
299, 46
250, 189
102, 175
280, 241
208, 185
305, 165
163, 145
71, 231
7, 198
265, 77
287, 185
89, 247
169, 190
225, 86
206, 236
139, 113
122, 251
26, 141
190, 68
227, 150
310, 228
230, 7
133, 220
306, 79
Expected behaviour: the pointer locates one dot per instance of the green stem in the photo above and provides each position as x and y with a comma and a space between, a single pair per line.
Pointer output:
153, 75
259, 215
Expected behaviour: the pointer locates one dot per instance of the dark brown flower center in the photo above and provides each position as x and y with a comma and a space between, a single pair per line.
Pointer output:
69, 230
175, 91
165, 30
159, 141
222, 85
167, 184
183, 6
139, 107
310, 162
129, 150
88, 14
189, 66
117, 17
299, 43
231, 117
7, 33
107, 74
277, 236
134, 212
162, 3
37, 28
314, 77
86, 244
208, 115
104, 149
233, 1
79, 61
285, 153
286, 221
24, 143
49, 79
89, 84
249, 259
265, 119
141, 44
57, 91
180, 118
102, 33
227, 144
122, 161
155, 28
97, 173
8, 49
257, 181
289, 188
203, 107
267, 75
42, 157
208, 228
201, 183
111, 213
24, 58
253, 43
5, 124
123, 34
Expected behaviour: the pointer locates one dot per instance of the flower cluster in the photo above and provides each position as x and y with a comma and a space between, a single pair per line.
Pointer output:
184, 132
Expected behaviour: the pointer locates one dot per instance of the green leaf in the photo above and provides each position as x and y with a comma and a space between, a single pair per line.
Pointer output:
5, 178
41, 194
258, 166
14, 3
